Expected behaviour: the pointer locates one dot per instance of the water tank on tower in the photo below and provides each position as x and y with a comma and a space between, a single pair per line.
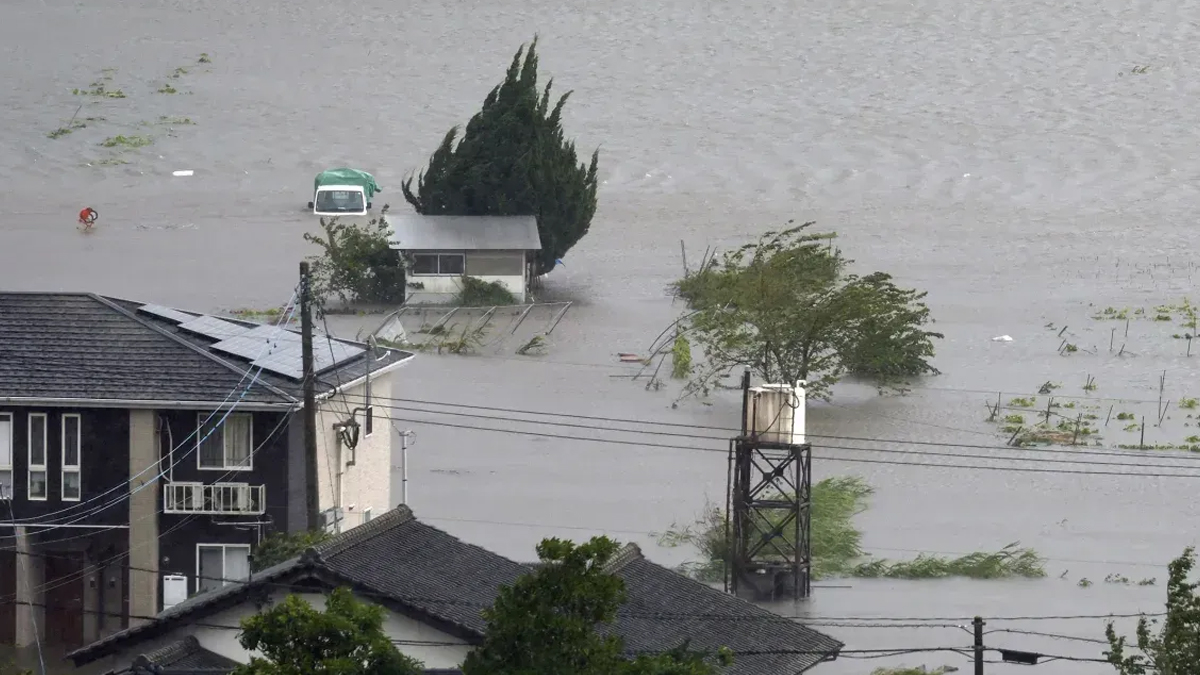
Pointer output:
775, 413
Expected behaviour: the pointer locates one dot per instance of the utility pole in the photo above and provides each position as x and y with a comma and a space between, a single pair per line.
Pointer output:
404, 436
312, 496
978, 622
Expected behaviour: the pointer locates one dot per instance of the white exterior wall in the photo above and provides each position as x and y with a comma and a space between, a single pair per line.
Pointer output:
367, 484
451, 285
224, 641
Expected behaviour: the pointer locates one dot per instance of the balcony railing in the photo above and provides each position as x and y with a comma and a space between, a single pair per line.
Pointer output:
216, 499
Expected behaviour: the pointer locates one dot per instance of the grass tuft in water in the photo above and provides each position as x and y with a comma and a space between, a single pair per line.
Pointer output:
126, 141
167, 89
919, 670
837, 544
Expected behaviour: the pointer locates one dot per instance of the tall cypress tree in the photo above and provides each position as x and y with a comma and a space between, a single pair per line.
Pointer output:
514, 160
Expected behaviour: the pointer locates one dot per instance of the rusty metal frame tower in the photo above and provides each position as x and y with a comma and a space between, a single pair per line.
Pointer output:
768, 514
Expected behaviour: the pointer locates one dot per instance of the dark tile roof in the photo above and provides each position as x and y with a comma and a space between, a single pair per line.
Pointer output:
183, 656
399, 561
81, 346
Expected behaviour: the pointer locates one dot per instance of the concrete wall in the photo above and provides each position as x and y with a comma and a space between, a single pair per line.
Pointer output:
367, 483
143, 516
225, 641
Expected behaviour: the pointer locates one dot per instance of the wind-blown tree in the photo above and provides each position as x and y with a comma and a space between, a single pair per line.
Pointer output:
546, 622
787, 307
346, 639
513, 160
1175, 650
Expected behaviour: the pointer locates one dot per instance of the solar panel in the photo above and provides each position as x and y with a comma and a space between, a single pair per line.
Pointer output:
329, 353
273, 333
287, 359
213, 327
166, 313
258, 342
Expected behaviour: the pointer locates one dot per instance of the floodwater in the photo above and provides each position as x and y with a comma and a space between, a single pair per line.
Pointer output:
1019, 160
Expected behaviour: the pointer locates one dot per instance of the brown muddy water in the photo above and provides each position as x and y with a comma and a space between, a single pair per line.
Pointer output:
1020, 160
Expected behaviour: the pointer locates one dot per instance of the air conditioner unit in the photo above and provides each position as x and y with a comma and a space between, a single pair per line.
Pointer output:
175, 590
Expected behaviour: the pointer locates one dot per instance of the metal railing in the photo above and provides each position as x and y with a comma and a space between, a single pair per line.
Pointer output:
214, 499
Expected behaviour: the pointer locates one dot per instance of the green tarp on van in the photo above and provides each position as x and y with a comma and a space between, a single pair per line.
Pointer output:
345, 176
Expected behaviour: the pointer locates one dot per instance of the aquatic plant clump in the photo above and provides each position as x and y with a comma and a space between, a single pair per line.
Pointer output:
837, 544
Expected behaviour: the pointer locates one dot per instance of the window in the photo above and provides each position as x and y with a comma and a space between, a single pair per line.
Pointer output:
71, 446
444, 263
37, 456
225, 445
218, 565
6, 457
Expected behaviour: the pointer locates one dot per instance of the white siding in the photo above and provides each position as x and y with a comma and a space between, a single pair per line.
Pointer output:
225, 641
367, 484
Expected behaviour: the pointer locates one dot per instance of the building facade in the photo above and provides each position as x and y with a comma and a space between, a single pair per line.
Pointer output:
142, 459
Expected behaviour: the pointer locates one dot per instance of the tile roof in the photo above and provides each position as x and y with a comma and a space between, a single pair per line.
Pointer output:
86, 347
444, 581
183, 656
464, 233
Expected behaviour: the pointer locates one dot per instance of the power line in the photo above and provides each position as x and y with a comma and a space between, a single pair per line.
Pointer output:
1016, 469
616, 420
184, 520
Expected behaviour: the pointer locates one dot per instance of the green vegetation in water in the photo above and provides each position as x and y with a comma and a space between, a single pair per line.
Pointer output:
174, 121
1189, 447
1014, 419
478, 293
1125, 416
535, 347
1188, 403
681, 357
1023, 402
126, 141
256, 314
68, 129
167, 89
836, 544
1132, 427
203, 58
179, 72
112, 161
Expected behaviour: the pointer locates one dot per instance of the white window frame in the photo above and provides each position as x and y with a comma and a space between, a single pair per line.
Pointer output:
201, 418
224, 548
12, 459
77, 467
439, 257
32, 468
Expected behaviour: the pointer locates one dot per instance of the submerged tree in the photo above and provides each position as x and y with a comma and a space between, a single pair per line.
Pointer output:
787, 307
1175, 650
546, 622
514, 160
347, 638
356, 263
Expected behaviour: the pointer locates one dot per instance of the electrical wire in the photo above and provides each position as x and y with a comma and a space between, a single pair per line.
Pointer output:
184, 520
706, 437
50, 517
766, 616
1016, 469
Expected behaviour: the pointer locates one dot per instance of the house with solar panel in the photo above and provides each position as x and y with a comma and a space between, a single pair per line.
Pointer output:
146, 451
441, 250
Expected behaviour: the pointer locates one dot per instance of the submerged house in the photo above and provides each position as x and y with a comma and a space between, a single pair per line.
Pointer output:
441, 250
434, 587
145, 451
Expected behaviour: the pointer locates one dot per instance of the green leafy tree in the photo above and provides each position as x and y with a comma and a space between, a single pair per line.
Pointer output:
514, 160
356, 264
1175, 649
282, 546
547, 622
345, 639
787, 307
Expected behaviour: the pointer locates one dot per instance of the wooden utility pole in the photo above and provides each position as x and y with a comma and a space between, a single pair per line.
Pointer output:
311, 493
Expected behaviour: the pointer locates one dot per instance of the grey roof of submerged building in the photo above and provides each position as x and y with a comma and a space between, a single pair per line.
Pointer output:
433, 577
464, 233
90, 348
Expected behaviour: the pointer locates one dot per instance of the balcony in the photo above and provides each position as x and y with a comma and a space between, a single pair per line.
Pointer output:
217, 499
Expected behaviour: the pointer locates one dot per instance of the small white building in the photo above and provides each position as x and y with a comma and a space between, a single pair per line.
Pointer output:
441, 250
